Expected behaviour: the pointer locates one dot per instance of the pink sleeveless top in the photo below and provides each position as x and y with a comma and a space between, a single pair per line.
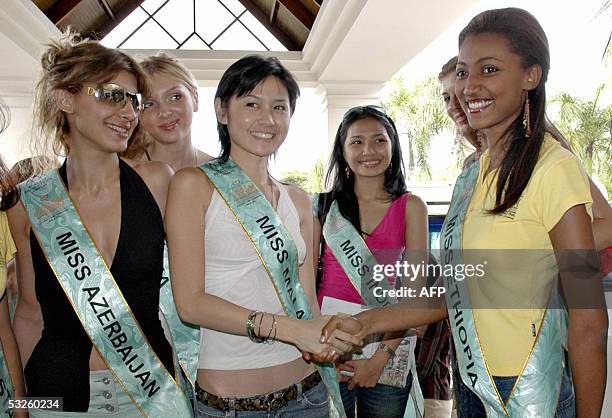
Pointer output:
387, 242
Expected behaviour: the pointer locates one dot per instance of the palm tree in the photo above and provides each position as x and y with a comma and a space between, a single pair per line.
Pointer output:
316, 177
419, 113
588, 127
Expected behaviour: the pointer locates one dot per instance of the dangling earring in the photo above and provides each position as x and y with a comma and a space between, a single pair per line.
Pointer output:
390, 168
527, 118
347, 172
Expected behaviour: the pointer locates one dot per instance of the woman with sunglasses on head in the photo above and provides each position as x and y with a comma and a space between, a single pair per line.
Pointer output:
368, 196
167, 115
525, 205
89, 242
240, 248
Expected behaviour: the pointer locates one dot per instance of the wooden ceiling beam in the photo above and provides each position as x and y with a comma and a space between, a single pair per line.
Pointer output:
264, 19
300, 12
123, 12
107, 9
59, 9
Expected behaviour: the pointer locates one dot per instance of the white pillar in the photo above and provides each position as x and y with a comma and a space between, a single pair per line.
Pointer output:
338, 97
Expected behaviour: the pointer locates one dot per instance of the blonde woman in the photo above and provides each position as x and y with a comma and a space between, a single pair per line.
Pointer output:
168, 114
89, 242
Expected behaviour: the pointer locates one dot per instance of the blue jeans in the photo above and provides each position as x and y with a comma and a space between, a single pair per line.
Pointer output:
469, 406
381, 401
309, 404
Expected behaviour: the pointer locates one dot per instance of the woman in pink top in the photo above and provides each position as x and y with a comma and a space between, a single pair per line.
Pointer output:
366, 176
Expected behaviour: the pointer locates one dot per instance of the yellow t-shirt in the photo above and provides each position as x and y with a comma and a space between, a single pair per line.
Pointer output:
520, 264
7, 250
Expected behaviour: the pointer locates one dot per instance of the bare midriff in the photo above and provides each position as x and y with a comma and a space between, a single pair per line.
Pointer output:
251, 382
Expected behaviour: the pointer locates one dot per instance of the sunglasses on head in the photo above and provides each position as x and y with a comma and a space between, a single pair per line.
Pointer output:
116, 95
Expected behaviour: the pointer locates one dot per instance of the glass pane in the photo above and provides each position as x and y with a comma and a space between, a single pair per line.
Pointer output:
211, 19
177, 18
150, 36
123, 29
262, 33
152, 5
234, 5
238, 38
194, 43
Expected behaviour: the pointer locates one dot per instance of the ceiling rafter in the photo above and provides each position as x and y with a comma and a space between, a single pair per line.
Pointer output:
289, 21
59, 9
123, 12
107, 9
300, 12
264, 19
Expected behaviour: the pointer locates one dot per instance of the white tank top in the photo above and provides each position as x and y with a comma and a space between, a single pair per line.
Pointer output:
234, 272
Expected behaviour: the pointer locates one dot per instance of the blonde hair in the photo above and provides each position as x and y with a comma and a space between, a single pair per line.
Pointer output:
161, 63
68, 64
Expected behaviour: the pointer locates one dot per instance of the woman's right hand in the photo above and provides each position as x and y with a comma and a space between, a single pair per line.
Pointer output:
342, 333
343, 325
308, 338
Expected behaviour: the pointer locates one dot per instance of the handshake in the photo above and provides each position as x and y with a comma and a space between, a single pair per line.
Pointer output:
329, 337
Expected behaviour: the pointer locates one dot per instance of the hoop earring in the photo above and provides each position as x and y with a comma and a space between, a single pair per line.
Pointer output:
527, 118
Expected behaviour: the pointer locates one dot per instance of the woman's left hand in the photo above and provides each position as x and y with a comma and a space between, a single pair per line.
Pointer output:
367, 372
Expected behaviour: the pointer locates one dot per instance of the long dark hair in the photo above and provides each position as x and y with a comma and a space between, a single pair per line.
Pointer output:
341, 186
528, 40
241, 78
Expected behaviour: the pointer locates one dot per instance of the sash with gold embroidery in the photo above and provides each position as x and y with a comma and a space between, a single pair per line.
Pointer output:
536, 392
97, 300
358, 263
275, 248
185, 337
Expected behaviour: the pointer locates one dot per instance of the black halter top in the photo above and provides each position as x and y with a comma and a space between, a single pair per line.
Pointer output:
59, 365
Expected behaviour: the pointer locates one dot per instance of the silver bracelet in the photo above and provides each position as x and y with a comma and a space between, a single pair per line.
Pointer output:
250, 327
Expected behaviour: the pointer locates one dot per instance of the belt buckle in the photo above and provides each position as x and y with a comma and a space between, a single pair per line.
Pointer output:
274, 404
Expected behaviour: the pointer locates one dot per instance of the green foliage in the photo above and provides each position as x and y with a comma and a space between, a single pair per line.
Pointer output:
316, 179
418, 111
299, 178
588, 127
311, 181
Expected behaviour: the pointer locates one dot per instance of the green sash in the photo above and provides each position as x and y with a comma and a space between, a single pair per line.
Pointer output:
358, 263
186, 337
275, 248
6, 385
536, 391
97, 301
